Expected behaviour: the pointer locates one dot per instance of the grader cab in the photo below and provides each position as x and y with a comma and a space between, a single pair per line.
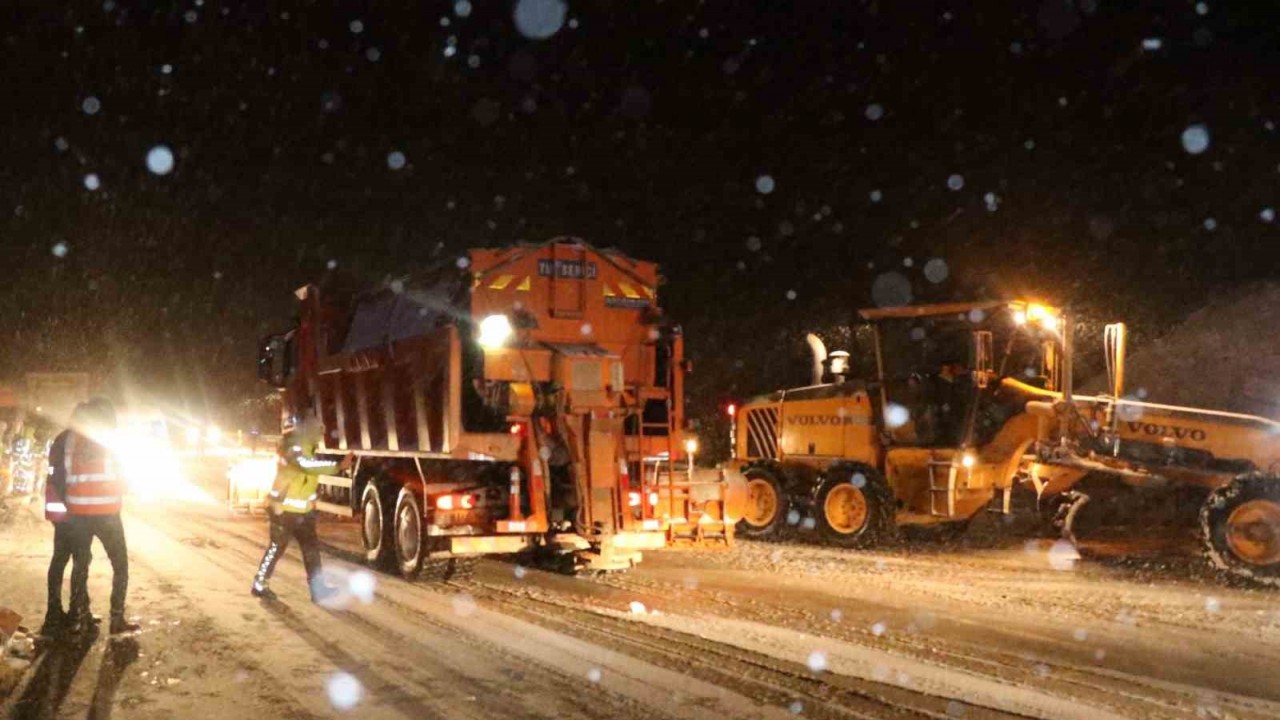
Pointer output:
929, 437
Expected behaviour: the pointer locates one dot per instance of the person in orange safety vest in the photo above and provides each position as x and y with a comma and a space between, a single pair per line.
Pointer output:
94, 496
64, 541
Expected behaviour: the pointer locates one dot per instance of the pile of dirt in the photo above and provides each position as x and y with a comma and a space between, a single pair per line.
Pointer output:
1225, 356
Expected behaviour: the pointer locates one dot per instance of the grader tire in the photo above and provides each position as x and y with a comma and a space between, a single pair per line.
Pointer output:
1240, 526
855, 508
767, 505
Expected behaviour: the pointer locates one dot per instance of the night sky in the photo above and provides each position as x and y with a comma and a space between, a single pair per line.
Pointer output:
775, 158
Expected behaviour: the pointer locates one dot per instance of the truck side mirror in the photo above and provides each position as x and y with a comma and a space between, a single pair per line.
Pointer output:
273, 360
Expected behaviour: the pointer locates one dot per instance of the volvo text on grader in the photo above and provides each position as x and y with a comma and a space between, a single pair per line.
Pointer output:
522, 399
966, 401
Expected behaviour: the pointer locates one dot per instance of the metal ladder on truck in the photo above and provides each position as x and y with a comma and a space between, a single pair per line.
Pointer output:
696, 507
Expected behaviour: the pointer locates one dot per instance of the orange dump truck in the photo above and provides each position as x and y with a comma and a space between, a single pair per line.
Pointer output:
523, 399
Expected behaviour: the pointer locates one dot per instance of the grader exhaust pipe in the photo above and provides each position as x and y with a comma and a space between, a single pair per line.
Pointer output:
819, 351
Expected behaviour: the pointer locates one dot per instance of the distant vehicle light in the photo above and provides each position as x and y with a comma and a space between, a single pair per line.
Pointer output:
633, 499
256, 473
495, 330
968, 460
444, 502
467, 502
731, 410
515, 428
1020, 317
691, 445
213, 435
193, 435
653, 499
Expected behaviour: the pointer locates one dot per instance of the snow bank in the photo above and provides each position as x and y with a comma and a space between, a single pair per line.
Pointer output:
1225, 356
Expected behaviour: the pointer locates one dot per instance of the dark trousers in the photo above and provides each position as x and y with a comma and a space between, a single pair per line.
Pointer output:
64, 547
110, 530
286, 525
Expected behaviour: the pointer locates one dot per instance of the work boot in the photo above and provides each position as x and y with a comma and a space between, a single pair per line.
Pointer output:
55, 623
120, 626
265, 568
260, 590
83, 621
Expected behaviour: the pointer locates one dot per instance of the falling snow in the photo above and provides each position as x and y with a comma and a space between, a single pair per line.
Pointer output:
1195, 139
764, 184
936, 270
817, 661
895, 416
160, 160
539, 19
955, 182
345, 691
891, 289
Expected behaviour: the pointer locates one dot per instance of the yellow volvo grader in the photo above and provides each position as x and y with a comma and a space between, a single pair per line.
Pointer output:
967, 400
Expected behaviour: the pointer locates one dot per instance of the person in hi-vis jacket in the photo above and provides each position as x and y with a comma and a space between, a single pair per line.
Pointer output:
292, 507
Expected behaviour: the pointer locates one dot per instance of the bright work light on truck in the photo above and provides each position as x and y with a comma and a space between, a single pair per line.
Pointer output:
495, 330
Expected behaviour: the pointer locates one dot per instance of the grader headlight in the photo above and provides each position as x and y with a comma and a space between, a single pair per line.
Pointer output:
495, 331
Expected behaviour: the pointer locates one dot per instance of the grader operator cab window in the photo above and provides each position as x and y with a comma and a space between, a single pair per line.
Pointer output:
928, 372
946, 370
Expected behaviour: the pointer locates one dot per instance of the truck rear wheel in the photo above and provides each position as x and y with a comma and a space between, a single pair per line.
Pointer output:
1240, 523
854, 507
377, 528
410, 547
766, 505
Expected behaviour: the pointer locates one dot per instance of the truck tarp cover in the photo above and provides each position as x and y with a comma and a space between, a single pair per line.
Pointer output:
384, 316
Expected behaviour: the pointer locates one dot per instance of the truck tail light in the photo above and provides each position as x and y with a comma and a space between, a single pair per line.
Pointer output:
455, 502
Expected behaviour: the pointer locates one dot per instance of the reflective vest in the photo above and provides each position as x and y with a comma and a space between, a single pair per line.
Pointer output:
54, 509
298, 477
93, 488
